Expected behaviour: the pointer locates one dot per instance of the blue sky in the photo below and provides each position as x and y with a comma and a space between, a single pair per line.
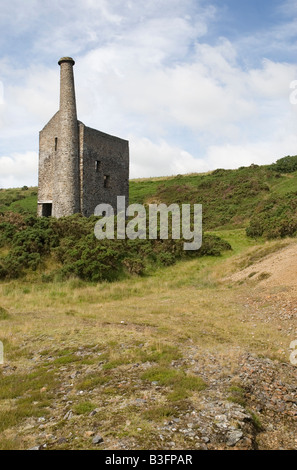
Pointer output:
247, 16
193, 85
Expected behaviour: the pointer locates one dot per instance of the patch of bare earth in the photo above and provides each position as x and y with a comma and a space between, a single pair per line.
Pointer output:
276, 269
271, 299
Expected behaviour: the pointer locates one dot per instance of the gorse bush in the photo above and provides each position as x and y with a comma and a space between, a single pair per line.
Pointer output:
71, 243
275, 218
89, 259
285, 165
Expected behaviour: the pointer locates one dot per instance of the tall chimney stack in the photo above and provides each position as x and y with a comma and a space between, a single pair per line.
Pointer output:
66, 167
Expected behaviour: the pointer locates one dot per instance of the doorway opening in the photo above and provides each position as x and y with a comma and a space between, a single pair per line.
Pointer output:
47, 209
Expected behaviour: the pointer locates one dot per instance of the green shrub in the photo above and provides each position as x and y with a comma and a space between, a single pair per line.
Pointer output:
72, 243
275, 218
285, 165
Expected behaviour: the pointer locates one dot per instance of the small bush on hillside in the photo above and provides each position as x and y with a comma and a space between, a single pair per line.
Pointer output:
275, 218
285, 165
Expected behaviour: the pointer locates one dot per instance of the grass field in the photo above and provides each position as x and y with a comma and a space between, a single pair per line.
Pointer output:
93, 351
138, 359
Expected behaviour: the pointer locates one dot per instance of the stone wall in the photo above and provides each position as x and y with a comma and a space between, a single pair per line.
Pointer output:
104, 169
46, 161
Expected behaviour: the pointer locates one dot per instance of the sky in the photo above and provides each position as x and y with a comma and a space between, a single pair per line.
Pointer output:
194, 85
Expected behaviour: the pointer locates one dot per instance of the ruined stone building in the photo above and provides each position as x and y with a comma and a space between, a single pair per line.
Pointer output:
79, 167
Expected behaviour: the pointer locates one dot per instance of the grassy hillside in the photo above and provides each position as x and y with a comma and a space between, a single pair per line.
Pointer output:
20, 200
259, 199
230, 198
182, 358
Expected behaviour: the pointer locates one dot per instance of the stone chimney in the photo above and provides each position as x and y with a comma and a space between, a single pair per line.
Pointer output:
66, 194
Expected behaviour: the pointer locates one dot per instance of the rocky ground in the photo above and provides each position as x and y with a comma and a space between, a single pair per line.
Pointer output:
252, 406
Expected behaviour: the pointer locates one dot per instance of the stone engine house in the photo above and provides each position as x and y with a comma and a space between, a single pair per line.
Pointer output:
79, 167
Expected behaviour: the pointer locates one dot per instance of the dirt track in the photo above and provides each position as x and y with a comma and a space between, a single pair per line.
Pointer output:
277, 269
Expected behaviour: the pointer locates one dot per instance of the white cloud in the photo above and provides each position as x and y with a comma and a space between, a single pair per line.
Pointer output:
1, 93
272, 80
159, 159
145, 71
210, 95
260, 152
18, 170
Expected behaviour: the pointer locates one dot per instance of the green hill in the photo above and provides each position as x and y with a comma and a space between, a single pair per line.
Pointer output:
230, 198
178, 341
258, 201
21, 200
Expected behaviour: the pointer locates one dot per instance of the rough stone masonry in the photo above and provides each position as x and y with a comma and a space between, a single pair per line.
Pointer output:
79, 167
